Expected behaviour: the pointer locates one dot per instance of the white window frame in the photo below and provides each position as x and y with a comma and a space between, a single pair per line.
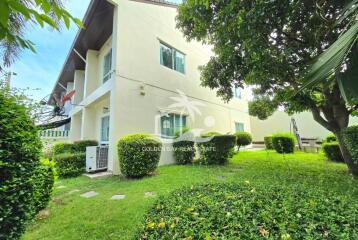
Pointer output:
174, 51
172, 113
100, 133
107, 76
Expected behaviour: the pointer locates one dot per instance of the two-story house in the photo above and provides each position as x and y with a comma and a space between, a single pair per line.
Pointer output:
133, 71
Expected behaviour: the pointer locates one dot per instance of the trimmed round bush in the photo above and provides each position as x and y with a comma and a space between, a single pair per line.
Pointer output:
268, 142
138, 154
217, 150
80, 146
184, 151
332, 151
243, 211
284, 142
243, 139
350, 138
20, 181
70, 164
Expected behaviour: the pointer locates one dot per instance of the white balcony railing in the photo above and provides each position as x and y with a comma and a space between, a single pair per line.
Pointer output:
53, 133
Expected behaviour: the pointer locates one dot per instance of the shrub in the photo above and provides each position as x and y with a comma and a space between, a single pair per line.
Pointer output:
80, 146
184, 151
268, 142
243, 139
350, 138
283, 142
70, 164
138, 155
331, 138
332, 151
243, 211
217, 150
20, 150
63, 147
44, 183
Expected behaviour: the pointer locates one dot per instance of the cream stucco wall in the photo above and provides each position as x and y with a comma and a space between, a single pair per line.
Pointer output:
281, 122
141, 88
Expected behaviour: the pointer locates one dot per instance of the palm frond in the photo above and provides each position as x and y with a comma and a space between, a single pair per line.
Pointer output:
331, 60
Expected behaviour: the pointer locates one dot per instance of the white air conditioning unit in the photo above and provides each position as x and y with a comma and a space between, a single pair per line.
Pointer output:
96, 158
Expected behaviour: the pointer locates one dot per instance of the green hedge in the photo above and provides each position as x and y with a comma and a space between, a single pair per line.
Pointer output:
70, 164
268, 142
217, 150
244, 211
350, 136
24, 183
80, 146
284, 142
243, 139
330, 138
332, 151
184, 151
63, 147
138, 154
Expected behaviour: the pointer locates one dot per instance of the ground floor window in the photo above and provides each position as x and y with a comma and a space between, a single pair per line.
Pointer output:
239, 127
172, 123
105, 129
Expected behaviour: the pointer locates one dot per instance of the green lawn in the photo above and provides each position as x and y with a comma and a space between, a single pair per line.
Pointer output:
74, 217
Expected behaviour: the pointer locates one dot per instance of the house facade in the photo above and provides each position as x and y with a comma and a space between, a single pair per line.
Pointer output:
133, 71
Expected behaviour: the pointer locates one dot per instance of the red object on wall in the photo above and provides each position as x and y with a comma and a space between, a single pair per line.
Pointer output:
68, 97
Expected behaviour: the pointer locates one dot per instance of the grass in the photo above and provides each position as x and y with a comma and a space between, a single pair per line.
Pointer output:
73, 217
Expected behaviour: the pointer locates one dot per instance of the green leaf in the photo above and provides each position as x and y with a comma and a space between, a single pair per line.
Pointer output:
78, 22
46, 6
49, 21
332, 58
19, 7
4, 13
66, 19
38, 18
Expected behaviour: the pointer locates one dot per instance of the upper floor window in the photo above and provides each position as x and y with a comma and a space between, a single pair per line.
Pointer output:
107, 66
171, 124
237, 92
172, 58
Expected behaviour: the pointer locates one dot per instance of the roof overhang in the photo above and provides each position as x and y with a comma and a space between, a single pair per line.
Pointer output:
98, 22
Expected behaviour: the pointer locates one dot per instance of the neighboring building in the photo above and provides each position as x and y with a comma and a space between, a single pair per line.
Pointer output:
133, 71
281, 122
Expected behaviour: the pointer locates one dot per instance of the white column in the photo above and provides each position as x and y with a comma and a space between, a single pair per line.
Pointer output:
114, 124
91, 72
75, 130
79, 81
88, 130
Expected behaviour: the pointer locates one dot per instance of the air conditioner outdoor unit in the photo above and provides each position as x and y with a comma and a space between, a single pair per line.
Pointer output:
96, 158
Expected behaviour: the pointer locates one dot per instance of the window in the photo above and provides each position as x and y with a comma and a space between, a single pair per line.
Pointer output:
105, 129
172, 58
239, 127
172, 123
107, 66
237, 92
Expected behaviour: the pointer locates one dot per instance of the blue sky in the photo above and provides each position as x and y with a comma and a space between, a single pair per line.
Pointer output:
40, 70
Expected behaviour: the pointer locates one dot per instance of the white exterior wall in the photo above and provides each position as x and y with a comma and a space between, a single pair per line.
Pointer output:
281, 121
135, 42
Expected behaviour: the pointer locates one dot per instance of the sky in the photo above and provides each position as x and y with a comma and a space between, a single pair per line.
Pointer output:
39, 71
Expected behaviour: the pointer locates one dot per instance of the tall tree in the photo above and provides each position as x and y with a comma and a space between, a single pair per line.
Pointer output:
15, 15
268, 45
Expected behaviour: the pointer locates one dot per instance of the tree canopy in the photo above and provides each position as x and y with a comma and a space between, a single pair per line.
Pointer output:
16, 14
270, 45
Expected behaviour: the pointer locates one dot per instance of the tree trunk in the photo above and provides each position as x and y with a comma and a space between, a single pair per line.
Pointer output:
353, 167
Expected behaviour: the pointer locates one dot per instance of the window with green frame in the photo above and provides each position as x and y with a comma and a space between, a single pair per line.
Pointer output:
107, 66
172, 58
171, 123
239, 127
